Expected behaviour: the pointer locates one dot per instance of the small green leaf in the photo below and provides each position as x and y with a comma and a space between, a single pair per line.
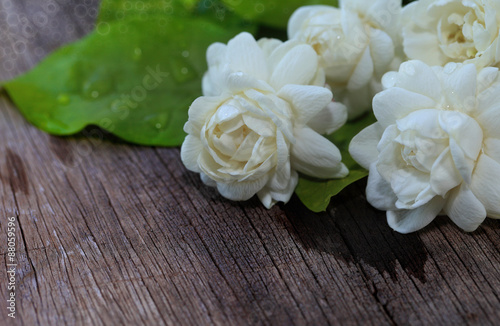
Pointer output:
273, 13
316, 194
135, 79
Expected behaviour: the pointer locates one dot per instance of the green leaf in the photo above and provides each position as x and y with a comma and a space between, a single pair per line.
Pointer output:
214, 10
316, 194
135, 79
113, 10
273, 13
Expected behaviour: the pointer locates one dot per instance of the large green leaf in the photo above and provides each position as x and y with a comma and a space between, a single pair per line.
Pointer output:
273, 13
316, 194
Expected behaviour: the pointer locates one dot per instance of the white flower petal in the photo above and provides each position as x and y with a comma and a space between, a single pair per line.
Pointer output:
383, 13
407, 221
444, 175
270, 196
379, 192
298, 18
298, 67
490, 96
492, 148
423, 46
278, 53
268, 45
190, 151
216, 54
209, 87
258, 171
363, 147
210, 167
314, 155
341, 173
485, 78
329, 119
381, 50
465, 209
415, 76
206, 180
363, 72
425, 121
464, 130
245, 55
281, 178
246, 148
238, 82
463, 164
202, 108
490, 120
307, 101
261, 126
282, 150
241, 190
390, 160
411, 187
459, 86
388, 136
485, 185
396, 103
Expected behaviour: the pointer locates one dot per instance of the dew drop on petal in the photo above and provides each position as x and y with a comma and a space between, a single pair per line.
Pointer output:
409, 69
389, 79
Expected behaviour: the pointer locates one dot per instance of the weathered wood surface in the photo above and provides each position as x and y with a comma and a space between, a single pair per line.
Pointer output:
114, 234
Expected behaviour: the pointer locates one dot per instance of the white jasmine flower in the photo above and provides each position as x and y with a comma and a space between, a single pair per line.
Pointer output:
253, 133
438, 32
222, 62
436, 146
356, 44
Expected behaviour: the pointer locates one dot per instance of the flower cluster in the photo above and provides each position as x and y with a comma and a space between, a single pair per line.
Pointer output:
435, 148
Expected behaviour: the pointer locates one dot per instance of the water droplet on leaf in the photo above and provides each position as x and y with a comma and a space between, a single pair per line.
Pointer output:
63, 99
137, 53
100, 83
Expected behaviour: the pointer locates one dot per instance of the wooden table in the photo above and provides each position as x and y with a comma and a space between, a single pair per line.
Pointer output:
114, 234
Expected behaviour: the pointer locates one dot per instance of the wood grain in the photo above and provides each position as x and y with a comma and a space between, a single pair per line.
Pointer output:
115, 234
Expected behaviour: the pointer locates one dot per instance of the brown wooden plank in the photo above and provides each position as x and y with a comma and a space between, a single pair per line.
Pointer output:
111, 233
